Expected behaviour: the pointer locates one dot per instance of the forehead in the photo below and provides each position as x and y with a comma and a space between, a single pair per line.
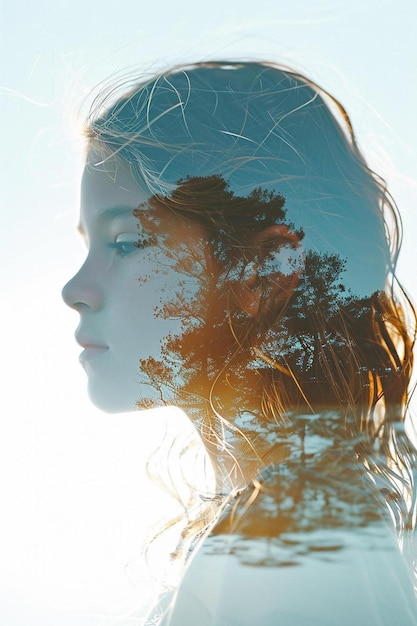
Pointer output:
110, 194
108, 186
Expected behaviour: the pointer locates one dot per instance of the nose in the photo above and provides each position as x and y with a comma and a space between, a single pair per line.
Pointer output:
82, 291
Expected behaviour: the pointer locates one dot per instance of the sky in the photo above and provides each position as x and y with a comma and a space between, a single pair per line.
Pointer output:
75, 495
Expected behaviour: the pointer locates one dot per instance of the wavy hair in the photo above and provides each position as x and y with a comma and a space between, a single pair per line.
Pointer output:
354, 354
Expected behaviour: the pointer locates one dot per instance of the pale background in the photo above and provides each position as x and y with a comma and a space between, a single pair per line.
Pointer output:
75, 501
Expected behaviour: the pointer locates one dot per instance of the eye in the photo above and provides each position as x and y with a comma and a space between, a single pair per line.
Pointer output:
126, 243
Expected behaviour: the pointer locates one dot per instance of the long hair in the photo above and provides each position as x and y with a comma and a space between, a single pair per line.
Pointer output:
242, 148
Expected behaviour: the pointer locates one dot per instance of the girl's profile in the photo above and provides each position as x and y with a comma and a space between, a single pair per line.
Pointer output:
241, 265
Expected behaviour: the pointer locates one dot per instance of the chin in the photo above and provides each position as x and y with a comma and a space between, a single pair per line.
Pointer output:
110, 400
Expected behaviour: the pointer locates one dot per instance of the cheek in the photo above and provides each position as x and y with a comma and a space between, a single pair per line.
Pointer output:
146, 309
155, 294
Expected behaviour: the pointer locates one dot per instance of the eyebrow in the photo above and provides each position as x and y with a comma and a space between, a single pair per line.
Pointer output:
113, 213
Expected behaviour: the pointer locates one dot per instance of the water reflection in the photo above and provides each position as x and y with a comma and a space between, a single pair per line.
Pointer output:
271, 319
276, 346
316, 503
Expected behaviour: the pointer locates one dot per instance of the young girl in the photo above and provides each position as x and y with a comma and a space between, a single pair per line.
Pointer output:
241, 265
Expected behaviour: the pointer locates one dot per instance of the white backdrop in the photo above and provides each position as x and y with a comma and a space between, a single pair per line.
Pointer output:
75, 498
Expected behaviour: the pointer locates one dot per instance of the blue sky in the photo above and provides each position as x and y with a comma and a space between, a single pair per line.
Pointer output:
55, 446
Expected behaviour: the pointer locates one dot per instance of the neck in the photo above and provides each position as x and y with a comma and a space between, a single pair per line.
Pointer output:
240, 458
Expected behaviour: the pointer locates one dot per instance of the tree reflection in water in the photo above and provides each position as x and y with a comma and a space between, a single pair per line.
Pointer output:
314, 504
298, 379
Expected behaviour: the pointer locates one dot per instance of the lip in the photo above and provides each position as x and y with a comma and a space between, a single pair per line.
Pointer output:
91, 352
92, 348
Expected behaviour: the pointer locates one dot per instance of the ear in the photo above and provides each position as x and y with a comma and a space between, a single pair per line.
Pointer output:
274, 277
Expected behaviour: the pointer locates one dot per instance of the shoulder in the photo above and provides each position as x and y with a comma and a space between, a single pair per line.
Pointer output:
268, 559
226, 584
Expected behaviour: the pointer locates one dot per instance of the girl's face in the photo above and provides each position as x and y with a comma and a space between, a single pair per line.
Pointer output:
141, 271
